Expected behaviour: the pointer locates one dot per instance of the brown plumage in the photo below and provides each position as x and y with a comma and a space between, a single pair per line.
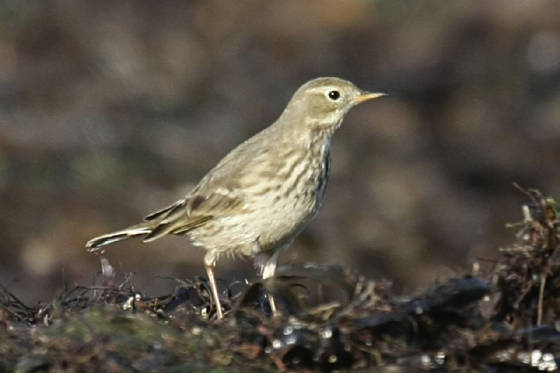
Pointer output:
264, 192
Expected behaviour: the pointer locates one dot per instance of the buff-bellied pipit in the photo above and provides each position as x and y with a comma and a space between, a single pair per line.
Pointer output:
257, 199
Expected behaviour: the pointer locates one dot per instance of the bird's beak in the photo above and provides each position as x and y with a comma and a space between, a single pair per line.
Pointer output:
366, 96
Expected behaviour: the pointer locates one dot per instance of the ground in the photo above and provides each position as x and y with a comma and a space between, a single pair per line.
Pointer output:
496, 317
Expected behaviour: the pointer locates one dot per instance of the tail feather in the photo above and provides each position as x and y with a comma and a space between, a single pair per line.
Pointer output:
159, 231
170, 220
166, 212
95, 244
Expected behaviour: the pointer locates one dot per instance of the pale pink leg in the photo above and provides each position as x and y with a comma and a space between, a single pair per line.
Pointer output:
209, 262
269, 269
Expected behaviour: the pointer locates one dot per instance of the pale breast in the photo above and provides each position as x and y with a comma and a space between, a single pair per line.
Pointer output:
279, 203
295, 200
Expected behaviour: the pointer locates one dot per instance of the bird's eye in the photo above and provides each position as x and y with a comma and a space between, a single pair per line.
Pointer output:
334, 95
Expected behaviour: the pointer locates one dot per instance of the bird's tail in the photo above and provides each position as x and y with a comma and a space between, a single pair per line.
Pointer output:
97, 243
170, 220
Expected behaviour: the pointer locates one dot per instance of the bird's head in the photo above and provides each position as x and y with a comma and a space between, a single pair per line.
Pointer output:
323, 102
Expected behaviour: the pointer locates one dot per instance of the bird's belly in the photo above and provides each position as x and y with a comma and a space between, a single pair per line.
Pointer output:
269, 222
285, 218
269, 219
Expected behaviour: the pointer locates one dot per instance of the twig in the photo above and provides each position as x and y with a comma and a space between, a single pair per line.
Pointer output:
541, 300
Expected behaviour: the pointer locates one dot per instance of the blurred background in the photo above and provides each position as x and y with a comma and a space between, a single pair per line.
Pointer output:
111, 109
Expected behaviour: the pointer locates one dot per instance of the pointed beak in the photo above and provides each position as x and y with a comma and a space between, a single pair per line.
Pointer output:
366, 96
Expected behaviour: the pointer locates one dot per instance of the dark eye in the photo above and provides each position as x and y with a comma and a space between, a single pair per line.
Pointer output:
334, 95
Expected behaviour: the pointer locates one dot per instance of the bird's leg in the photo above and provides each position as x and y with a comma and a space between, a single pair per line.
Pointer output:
214, 288
270, 265
209, 264
269, 268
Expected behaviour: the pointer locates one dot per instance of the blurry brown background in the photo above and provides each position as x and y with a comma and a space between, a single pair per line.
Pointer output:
109, 109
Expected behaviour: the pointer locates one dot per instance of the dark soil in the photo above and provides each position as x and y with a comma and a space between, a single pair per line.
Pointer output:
504, 319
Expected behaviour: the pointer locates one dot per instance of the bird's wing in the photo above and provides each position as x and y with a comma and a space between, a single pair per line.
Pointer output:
219, 194
222, 192
199, 204
220, 202
192, 212
172, 219
166, 211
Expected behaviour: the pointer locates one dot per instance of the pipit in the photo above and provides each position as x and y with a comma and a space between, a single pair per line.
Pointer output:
261, 195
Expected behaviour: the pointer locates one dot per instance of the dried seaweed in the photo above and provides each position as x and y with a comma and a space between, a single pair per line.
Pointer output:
330, 319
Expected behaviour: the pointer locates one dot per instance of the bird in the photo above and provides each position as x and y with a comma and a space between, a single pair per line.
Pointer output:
264, 192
